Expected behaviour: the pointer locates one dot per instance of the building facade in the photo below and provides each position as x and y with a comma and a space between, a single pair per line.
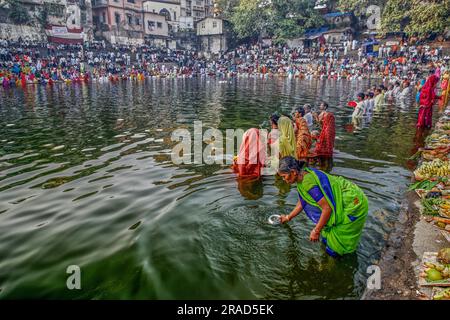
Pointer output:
156, 29
119, 21
212, 35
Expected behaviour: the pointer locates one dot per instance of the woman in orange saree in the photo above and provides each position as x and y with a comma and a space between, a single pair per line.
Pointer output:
252, 155
303, 136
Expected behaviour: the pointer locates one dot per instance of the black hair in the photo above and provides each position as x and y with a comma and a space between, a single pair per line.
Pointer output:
371, 94
274, 119
325, 105
290, 163
301, 111
361, 95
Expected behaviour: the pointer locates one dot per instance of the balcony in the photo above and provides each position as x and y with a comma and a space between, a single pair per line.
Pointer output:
99, 3
198, 8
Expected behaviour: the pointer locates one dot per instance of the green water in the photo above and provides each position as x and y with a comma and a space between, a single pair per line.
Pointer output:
76, 188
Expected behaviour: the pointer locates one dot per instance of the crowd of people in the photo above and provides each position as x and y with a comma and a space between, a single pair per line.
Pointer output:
337, 207
26, 63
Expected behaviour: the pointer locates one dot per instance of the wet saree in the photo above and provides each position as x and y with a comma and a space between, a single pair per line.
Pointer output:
286, 140
325, 142
349, 206
252, 155
304, 139
427, 98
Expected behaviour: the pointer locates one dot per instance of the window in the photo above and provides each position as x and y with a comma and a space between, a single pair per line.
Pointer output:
138, 22
150, 25
199, 3
130, 1
130, 19
175, 16
203, 25
215, 24
159, 25
117, 18
103, 17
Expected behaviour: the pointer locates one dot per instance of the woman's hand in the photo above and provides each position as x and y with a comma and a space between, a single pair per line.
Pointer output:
284, 219
314, 235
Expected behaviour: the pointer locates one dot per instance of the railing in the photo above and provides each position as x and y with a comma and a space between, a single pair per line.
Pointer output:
98, 3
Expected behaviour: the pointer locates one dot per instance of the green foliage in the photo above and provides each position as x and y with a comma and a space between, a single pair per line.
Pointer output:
428, 16
282, 19
17, 12
416, 16
358, 7
395, 15
250, 19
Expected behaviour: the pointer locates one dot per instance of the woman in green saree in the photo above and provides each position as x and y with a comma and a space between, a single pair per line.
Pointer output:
338, 207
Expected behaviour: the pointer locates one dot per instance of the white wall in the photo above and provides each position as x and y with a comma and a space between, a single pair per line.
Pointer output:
210, 26
156, 18
174, 9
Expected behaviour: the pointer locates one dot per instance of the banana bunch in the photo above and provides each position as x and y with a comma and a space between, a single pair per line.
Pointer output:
444, 209
435, 168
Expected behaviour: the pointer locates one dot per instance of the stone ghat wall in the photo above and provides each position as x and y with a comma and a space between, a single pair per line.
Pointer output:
13, 32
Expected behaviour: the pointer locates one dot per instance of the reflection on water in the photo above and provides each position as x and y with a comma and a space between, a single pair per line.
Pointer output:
86, 179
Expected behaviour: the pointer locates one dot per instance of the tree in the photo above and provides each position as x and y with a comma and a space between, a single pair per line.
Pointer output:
358, 7
416, 16
292, 18
395, 15
428, 17
282, 19
250, 18
18, 13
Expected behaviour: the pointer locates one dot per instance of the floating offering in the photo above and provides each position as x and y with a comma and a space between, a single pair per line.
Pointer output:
58, 148
274, 219
352, 104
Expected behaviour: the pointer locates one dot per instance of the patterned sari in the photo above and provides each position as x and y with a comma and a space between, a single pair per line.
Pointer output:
304, 139
349, 209
325, 142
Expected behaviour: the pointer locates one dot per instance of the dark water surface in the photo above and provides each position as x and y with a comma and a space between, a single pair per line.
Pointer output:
76, 188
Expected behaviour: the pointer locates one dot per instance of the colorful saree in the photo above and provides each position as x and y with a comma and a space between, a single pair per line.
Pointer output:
427, 98
304, 139
349, 209
325, 142
286, 140
252, 155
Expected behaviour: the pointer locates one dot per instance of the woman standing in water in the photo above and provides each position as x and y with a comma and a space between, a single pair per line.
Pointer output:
337, 207
325, 141
252, 155
427, 99
286, 139
303, 136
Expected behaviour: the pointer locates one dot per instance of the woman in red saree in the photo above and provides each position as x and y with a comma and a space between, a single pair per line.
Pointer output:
252, 155
325, 141
427, 99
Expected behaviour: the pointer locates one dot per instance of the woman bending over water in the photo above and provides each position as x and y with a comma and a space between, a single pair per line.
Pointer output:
337, 207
